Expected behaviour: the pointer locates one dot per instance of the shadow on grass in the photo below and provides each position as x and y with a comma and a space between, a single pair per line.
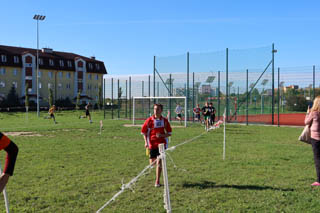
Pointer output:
208, 184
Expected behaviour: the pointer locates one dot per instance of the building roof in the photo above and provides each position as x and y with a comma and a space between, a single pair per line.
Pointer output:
46, 54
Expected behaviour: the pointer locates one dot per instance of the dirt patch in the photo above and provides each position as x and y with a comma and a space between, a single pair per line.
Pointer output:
22, 134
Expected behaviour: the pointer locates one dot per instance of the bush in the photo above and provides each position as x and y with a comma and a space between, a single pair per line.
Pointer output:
297, 103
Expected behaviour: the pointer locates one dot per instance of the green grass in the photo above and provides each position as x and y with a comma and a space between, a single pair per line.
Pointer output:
71, 168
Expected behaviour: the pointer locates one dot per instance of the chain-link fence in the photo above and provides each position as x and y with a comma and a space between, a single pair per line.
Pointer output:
242, 82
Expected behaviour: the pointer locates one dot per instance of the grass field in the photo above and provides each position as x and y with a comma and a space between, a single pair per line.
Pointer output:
69, 167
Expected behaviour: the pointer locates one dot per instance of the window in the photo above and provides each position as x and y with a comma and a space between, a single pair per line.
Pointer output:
89, 87
98, 66
2, 84
89, 76
3, 71
90, 66
15, 72
39, 74
41, 61
51, 62
50, 74
60, 74
40, 85
3, 58
59, 85
16, 59
49, 86
15, 84
68, 75
29, 90
61, 63
69, 64
97, 77
68, 86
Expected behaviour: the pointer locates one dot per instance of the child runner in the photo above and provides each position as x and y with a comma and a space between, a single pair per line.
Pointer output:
206, 114
87, 112
178, 112
197, 113
212, 114
51, 113
156, 130
12, 152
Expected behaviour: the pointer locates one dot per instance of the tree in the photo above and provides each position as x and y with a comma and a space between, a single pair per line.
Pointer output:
26, 97
12, 98
50, 97
78, 101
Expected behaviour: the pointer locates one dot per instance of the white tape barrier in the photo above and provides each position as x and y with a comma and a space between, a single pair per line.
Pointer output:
128, 185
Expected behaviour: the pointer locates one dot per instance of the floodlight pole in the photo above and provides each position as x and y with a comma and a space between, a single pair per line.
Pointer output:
41, 18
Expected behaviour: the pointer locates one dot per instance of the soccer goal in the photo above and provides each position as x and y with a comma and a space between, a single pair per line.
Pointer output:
143, 108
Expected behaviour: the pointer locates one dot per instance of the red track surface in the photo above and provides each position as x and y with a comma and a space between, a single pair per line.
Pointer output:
293, 119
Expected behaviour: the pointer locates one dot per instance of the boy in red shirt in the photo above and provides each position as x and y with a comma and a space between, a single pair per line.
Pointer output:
156, 130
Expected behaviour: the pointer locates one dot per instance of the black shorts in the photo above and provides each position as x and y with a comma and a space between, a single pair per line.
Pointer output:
179, 115
51, 115
198, 116
87, 113
154, 153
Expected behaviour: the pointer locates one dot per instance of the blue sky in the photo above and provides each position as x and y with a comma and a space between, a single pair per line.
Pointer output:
127, 34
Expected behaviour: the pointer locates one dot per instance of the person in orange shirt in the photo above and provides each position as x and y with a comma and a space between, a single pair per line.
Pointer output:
156, 130
51, 113
12, 152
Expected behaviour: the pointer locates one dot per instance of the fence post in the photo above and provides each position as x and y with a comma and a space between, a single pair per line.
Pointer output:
130, 105
278, 97
142, 95
170, 94
187, 107
126, 98
247, 108
314, 82
112, 98
149, 94
104, 98
154, 78
227, 86
218, 95
272, 107
193, 104
119, 94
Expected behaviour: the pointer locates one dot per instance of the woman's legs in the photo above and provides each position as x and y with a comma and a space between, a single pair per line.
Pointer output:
316, 156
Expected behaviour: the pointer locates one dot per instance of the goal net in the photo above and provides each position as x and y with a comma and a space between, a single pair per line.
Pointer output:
143, 108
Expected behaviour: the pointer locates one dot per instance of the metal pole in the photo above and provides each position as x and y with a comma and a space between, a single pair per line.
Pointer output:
272, 107
142, 95
119, 94
187, 107
38, 107
219, 95
278, 96
193, 103
227, 87
126, 98
130, 106
170, 94
314, 82
149, 94
112, 98
104, 98
247, 98
154, 78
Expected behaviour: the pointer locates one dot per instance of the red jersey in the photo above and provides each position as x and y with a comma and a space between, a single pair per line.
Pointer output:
196, 110
151, 127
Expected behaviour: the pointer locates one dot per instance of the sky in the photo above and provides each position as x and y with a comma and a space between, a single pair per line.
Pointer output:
126, 35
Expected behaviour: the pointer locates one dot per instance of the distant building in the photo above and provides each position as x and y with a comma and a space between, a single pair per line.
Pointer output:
290, 87
65, 73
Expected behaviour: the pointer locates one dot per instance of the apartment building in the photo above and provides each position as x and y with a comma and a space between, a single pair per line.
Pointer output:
64, 73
